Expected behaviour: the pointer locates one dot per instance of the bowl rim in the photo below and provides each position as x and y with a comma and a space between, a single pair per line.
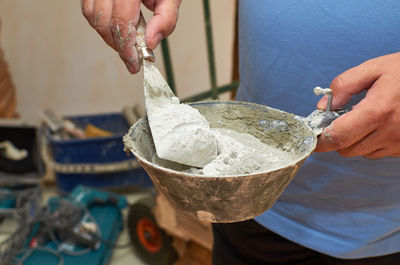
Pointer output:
294, 163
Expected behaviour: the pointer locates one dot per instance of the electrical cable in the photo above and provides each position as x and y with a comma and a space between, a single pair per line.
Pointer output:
102, 240
24, 200
68, 252
49, 220
29, 252
54, 239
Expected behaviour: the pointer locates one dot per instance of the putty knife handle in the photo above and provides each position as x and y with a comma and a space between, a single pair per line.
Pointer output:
144, 52
318, 120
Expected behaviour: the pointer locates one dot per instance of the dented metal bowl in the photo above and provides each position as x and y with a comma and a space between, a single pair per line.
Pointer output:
228, 198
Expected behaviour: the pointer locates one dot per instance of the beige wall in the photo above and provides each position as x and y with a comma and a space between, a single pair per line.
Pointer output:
59, 62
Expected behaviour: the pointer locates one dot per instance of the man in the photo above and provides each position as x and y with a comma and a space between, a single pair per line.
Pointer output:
343, 207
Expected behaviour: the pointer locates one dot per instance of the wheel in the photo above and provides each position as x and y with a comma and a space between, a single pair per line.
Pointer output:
151, 243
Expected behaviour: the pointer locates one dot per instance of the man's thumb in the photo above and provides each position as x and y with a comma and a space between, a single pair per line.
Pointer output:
350, 83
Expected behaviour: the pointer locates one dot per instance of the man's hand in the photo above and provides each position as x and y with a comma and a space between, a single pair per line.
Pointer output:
115, 21
372, 128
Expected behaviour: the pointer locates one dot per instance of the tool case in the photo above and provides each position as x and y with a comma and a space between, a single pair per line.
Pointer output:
95, 162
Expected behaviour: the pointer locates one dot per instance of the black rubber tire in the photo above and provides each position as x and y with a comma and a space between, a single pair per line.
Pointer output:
166, 255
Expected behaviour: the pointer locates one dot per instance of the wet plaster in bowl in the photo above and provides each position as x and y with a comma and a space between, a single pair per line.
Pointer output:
233, 197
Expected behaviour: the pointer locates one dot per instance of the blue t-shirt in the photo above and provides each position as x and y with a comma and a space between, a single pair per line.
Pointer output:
344, 207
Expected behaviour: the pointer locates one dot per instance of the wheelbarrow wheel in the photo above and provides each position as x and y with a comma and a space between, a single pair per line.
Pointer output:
151, 243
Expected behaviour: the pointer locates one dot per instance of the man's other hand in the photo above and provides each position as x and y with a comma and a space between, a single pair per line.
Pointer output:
372, 128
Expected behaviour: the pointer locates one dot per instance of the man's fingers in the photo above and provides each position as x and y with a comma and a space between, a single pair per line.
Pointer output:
125, 15
378, 154
352, 82
391, 149
365, 146
162, 23
101, 21
87, 10
115, 21
150, 4
349, 129
372, 128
